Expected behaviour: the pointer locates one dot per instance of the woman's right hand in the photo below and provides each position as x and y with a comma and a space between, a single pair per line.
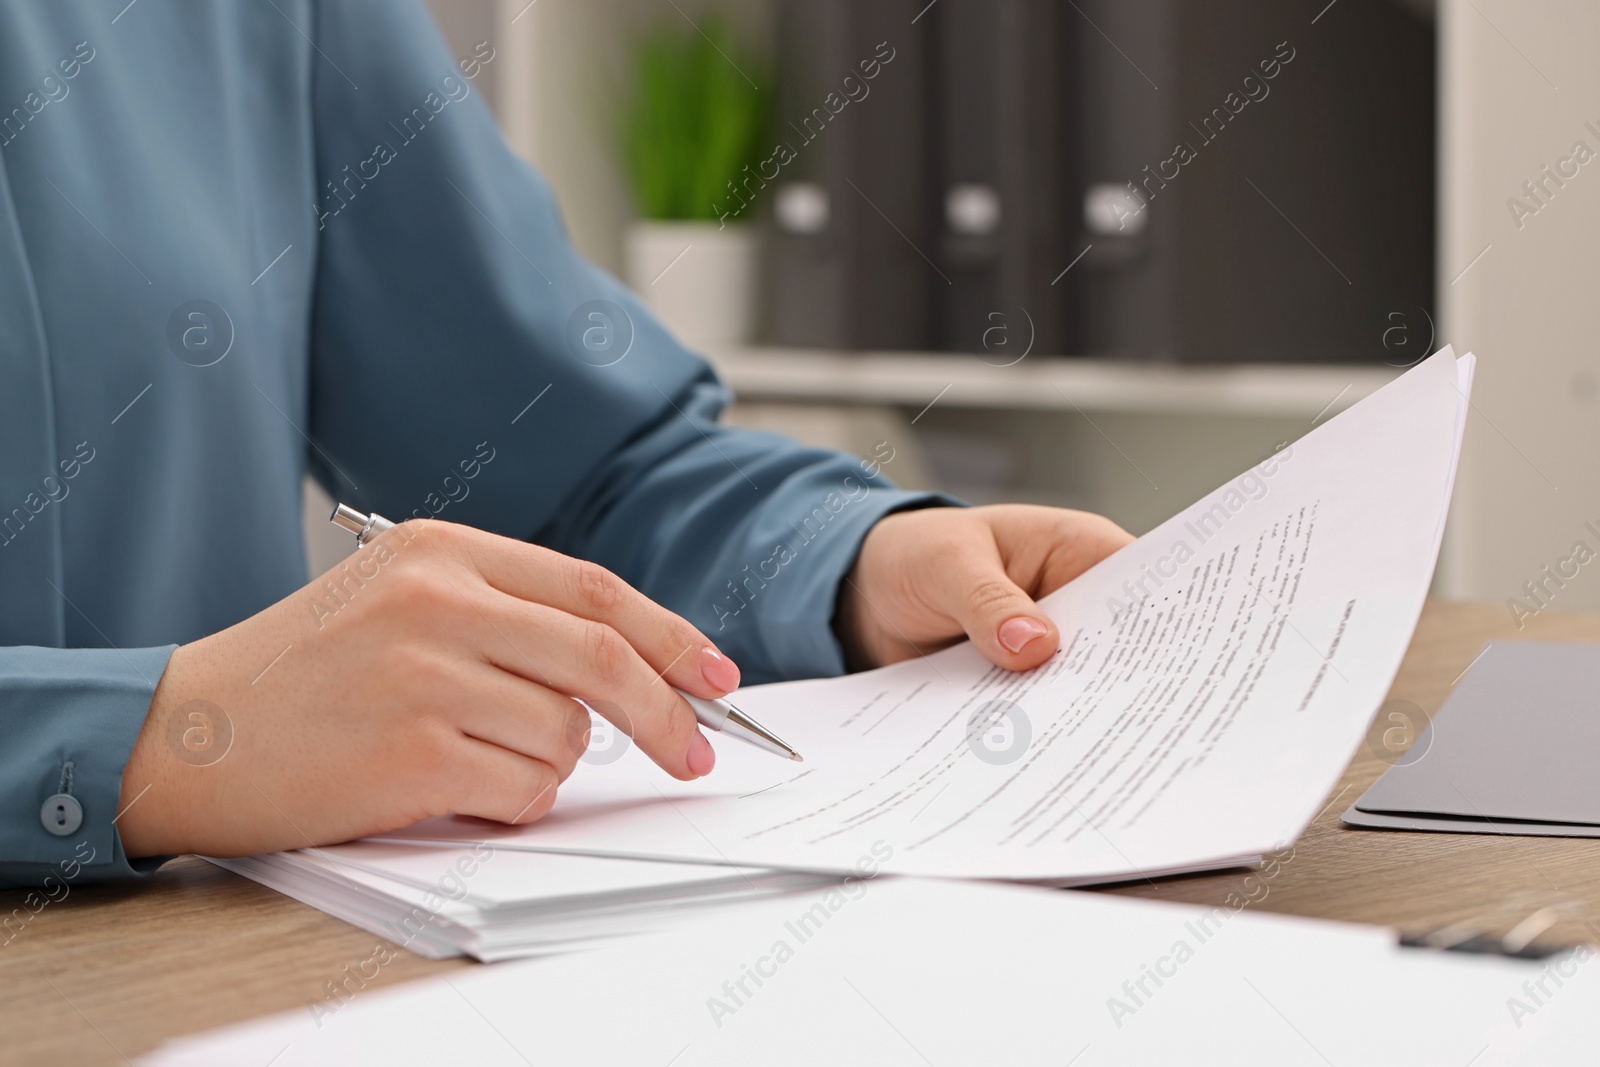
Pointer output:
432, 672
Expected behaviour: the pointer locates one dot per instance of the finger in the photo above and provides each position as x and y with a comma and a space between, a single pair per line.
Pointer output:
593, 662
525, 718
1002, 620
677, 651
490, 782
1077, 542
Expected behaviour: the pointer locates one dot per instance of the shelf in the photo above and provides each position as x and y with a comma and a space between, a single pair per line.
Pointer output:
915, 379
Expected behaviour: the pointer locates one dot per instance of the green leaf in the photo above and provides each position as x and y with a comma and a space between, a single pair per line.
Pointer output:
697, 115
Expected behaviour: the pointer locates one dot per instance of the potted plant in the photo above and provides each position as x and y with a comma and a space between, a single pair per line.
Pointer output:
692, 127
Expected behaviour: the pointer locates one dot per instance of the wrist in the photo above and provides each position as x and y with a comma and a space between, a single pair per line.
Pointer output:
857, 616
847, 624
148, 801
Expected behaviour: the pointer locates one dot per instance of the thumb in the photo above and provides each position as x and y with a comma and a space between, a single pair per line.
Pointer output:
1002, 620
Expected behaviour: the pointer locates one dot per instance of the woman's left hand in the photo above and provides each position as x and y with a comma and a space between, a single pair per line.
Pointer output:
927, 578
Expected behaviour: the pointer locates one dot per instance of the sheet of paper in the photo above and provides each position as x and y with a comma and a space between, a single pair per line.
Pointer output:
491, 878
916, 971
501, 903
1213, 681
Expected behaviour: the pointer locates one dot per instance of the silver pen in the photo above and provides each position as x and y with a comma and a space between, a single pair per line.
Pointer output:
718, 715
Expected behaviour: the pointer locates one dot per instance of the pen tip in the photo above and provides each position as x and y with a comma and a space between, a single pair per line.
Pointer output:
797, 757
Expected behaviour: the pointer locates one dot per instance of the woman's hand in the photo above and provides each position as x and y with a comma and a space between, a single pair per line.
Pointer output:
432, 672
927, 578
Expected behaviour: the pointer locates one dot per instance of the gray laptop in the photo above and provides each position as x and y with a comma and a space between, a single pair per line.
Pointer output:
1513, 750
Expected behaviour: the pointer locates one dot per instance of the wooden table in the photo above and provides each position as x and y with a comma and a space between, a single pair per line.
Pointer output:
111, 971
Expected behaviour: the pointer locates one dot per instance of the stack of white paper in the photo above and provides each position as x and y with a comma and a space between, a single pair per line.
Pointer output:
493, 904
919, 971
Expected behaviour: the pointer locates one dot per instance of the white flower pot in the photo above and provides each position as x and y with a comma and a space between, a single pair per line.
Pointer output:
699, 278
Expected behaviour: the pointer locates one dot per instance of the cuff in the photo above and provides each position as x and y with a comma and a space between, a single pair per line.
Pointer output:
796, 625
70, 718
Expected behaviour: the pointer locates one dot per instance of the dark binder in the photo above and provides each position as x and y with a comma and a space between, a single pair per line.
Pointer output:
850, 260
1003, 137
1303, 223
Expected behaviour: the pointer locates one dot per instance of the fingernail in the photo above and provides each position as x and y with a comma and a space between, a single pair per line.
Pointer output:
718, 670
1016, 633
701, 756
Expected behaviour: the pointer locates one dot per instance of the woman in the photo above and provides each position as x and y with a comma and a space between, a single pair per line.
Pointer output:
240, 241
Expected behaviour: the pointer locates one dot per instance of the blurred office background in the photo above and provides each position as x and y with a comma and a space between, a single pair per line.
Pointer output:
1102, 253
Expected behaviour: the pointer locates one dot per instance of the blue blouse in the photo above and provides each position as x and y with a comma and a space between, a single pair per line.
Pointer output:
241, 241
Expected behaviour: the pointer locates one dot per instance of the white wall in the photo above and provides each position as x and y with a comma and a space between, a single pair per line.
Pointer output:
1519, 80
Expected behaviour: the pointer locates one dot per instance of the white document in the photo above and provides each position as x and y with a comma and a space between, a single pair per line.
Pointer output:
495, 904
488, 878
1213, 680
919, 972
